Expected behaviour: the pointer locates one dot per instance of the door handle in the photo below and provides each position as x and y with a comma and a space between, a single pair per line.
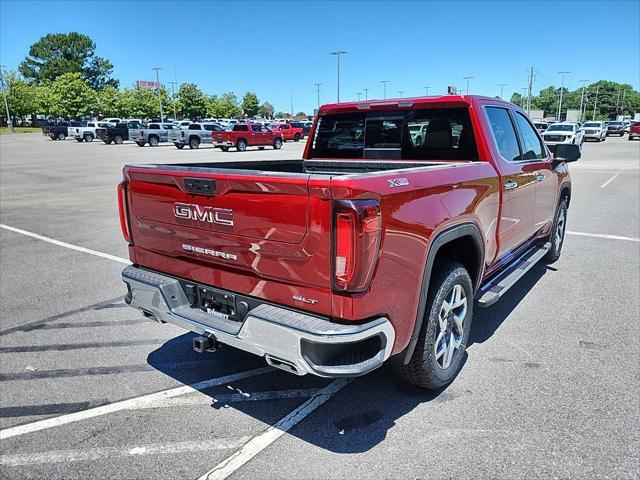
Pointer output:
539, 177
510, 185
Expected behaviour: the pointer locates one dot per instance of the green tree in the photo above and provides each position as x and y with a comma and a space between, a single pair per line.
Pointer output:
58, 53
140, 102
301, 114
250, 104
72, 96
225, 106
110, 103
21, 96
191, 102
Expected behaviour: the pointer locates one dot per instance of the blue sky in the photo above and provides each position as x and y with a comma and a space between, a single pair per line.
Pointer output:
278, 49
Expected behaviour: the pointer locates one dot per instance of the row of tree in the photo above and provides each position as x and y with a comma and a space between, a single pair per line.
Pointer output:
72, 96
608, 98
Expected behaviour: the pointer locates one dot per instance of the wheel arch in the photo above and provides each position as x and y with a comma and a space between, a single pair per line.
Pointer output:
462, 243
565, 192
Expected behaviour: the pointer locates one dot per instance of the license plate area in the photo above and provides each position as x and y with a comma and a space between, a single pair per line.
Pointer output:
216, 303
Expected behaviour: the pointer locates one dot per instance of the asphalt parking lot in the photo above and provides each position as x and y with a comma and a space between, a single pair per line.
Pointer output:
91, 389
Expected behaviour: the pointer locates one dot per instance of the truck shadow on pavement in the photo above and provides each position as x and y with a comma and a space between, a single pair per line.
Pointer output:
364, 413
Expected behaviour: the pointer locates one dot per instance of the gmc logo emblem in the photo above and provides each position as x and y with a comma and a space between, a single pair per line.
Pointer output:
190, 211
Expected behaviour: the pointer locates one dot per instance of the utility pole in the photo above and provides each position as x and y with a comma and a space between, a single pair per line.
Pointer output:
291, 102
530, 86
426, 91
400, 93
467, 79
618, 100
173, 97
359, 94
6, 104
561, 93
584, 82
318, 93
366, 93
384, 82
622, 103
502, 85
524, 98
595, 103
157, 69
338, 53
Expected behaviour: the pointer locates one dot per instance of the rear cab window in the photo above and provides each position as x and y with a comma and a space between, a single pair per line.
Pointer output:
428, 133
241, 128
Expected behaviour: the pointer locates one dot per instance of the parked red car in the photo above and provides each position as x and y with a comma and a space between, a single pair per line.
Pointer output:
634, 130
243, 135
375, 246
288, 131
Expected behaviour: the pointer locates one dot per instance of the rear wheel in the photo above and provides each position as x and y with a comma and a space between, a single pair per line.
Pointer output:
108, 142
241, 145
153, 141
140, 144
444, 335
61, 136
296, 137
557, 233
79, 140
277, 144
118, 139
88, 137
224, 149
179, 146
194, 143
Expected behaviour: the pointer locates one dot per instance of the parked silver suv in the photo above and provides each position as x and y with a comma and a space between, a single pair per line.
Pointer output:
193, 135
595, 131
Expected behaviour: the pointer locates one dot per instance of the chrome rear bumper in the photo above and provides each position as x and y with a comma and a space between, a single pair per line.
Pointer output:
294, 341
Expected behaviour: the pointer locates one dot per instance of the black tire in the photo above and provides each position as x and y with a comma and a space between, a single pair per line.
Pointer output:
622, 134
277, 144
557, 237
179, 146
260, 148
88, 137
79, 140
61, 136
241, 145
118, 139
108, 142
296, 137
194, 143
153, 141
424, 369
140, 144
224, 149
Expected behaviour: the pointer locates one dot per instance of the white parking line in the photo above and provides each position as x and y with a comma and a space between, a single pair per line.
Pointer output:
130, 404
89, 454
603, 235
65, 244
230, 398
273, 433
615, 176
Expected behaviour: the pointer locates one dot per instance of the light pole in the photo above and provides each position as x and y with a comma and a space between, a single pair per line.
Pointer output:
524, 97
318, 93
595, 103
366, 93
502, 85
400, 93
337, 53
584, 82
384, 82
561, 92
157, 69
359, 94
426, 91
467, 79
6, 104
173, 97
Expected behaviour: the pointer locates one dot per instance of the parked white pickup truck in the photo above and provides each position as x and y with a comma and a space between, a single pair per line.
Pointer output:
88, 132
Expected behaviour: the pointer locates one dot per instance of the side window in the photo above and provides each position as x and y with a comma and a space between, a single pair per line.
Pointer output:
154, 126
91, 124
240, 128
256, 128
194, 126
208, 128
503, 133
531, 144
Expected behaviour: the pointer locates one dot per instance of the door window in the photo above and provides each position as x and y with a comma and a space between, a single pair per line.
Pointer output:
532, 147
503, 133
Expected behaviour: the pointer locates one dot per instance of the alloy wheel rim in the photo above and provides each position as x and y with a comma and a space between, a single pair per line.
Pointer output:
450, 330
560, 228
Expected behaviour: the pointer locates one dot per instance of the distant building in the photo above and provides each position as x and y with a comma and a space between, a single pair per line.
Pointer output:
266, 109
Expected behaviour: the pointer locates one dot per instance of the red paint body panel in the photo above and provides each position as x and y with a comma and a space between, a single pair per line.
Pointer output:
263, 138
287, 131
282, 231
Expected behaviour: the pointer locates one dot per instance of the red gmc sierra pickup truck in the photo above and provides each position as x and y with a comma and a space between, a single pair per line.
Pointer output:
375, 246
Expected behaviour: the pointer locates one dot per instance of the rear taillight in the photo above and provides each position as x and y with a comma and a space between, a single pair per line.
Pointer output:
357, 228
123, 211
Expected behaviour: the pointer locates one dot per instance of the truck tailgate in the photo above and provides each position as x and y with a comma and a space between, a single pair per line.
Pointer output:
244, 229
